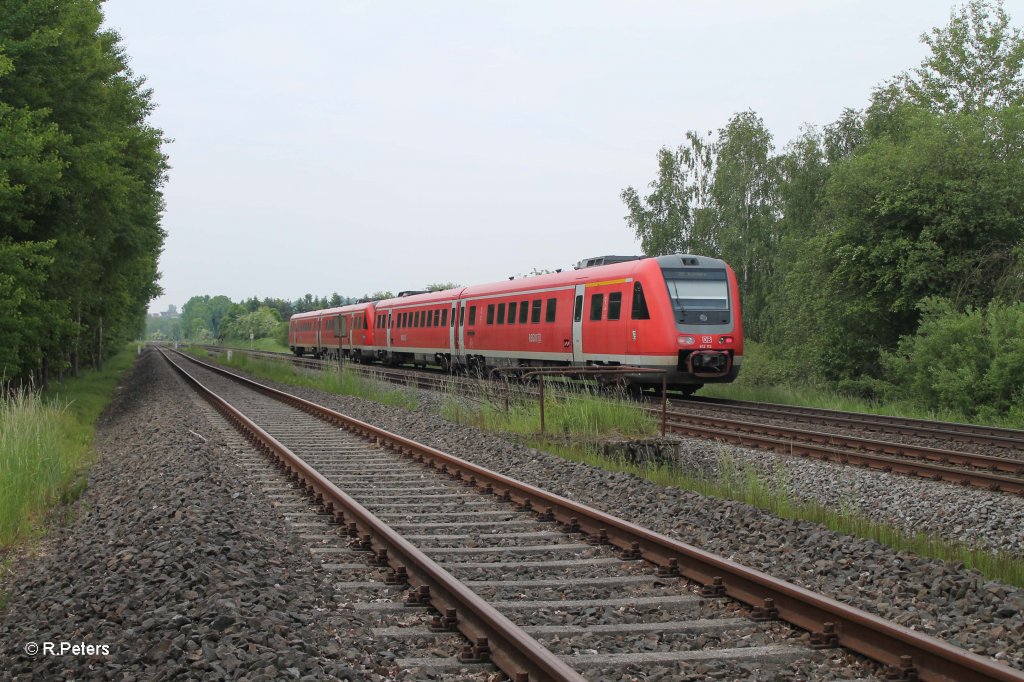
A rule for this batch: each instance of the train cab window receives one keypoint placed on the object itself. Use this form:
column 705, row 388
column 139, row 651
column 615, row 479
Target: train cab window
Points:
column 577, row 313
column 550, row 316
column 444, row 318
column 437, row 318
column 472, row 315
column 501, row 313
column 534, row 311
column 614, row 305
column 596, row 306
column 640, row 311
column 512, row 312
column 490, row 313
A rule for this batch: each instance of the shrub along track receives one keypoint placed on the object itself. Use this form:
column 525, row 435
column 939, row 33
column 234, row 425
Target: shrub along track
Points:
column 883, row 641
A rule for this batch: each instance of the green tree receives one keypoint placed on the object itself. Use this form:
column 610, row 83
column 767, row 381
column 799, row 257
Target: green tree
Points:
column 442, row 286
column 975, row 62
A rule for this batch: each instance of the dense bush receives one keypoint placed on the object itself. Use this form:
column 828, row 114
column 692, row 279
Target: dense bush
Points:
column 971, row 361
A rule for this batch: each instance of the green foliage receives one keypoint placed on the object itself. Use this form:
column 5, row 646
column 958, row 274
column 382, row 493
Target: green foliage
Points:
column 45, row 440
column 971, row 361
column 80, row 178
column 975, row 63
column 580, row 417
column 442, row 286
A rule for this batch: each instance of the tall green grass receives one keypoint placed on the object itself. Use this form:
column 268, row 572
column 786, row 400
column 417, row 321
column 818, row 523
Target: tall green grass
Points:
column 267, row 344
column 582, row 417
column 340, row 380
column 45, row 442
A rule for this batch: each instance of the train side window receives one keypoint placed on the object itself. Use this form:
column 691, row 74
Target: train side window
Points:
column 437, row 318
column 444, row 318
column 512, row 312
column 614, row 305
column 472, row 315
column 524, row 311
column 462, row 316
column 577, row 313
column 501, row 313
column 640, row 311
column 550, row 316
column 490, row 313
column 428, row 318
column 419, row 319
column 535, row 311
column 596, row 306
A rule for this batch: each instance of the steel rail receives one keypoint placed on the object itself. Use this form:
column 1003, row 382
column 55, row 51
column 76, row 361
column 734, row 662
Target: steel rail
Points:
column 988, row 462
column 990, row 435
column 831, row 622
column 783, row 441
column 508, row 646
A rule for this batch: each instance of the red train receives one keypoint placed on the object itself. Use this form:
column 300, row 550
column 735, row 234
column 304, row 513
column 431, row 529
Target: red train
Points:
column 678, row 313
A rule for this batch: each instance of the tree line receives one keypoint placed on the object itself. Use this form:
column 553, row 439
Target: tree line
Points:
column 80, row 201
column 867, row 239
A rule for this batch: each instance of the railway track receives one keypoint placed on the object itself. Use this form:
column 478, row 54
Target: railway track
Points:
column 938, row 451
column 504, row 564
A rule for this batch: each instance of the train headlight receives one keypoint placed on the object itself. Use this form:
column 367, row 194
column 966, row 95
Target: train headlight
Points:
column 686, row 340
column 725, row 339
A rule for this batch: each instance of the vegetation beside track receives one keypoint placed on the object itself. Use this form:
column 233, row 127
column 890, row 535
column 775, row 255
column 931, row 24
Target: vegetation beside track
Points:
column 342, row 381
column 742, row 483
column 46, row 441
column 581, row 418
column 272, row 345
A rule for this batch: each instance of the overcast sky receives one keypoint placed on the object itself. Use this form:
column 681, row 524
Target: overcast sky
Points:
column 328, row 145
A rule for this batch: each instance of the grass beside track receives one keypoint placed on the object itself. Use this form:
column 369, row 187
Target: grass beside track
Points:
column 45, row 442
column 342, row 381
column 582, row 417
column 267, row 344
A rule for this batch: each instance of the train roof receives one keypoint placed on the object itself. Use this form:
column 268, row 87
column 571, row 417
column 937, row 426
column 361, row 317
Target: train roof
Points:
column 350, row 308
column 422, row 299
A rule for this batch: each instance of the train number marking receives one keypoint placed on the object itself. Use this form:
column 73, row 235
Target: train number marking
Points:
column 533, row 338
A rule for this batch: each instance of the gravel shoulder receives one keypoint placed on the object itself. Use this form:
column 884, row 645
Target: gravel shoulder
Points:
column 172, row 565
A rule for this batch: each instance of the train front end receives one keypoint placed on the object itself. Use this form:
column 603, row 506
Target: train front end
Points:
column 701, row 319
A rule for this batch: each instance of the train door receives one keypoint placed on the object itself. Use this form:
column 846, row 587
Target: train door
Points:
column 577, row 325
column 453, row 345
column 462, row 331
column 387, row 337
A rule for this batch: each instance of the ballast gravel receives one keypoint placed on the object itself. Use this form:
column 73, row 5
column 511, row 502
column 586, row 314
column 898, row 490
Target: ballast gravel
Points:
column 943, row 599
column 173, row 565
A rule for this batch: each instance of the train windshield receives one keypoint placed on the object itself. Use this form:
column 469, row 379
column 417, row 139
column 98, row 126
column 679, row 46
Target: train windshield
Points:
column 697, row 288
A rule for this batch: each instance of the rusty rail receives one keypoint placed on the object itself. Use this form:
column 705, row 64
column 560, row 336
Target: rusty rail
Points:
column 830, row 622
column 785, row 441
column 497, row 638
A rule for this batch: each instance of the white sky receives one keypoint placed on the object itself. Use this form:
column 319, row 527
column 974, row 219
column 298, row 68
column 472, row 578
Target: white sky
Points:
column 330, row 145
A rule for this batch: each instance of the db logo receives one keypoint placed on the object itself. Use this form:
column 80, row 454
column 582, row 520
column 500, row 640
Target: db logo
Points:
column 566, row 343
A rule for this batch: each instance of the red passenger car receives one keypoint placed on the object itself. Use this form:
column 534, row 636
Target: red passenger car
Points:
column 678, row 313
